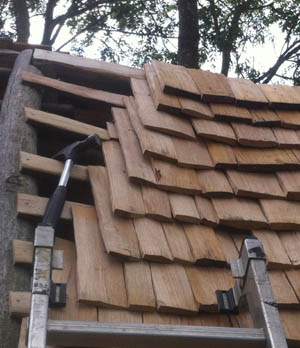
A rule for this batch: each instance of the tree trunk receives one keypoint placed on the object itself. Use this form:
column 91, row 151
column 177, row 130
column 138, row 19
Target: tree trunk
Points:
column 188, row 40
column 22, row 20
column 15, row 135
column 225, row 61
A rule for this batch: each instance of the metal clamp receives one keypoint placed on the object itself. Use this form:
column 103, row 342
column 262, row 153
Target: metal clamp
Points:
column 44, row 237
column 253, row 284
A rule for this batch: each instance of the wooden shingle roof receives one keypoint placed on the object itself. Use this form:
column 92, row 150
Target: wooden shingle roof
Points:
column 194, row 161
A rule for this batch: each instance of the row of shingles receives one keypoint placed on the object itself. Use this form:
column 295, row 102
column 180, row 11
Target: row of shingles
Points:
column 143, row 286
column 161, row 145
column 184, row 209
column 177, row 149
column 82, row 311
column 140, row 286
column 212, row 87
column 226, row 112
column 190, row 184
column 246, row 135
column 245, row 184
column 161, row 240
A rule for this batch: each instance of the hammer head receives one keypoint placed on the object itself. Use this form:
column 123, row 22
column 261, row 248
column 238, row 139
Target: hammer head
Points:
column 72, row 151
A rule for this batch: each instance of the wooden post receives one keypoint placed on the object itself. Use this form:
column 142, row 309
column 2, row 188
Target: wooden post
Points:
column 15, row 135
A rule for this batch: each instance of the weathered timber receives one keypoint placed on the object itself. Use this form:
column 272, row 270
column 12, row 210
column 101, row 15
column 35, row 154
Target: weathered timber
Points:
column 15, row 135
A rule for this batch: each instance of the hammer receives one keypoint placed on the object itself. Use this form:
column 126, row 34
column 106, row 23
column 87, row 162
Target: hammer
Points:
column 69, row 155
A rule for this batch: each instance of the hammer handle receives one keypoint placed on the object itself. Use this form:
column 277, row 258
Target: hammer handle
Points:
column 55, row 206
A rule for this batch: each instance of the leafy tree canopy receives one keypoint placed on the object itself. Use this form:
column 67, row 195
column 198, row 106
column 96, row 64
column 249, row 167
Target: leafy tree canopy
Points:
column 190, row 32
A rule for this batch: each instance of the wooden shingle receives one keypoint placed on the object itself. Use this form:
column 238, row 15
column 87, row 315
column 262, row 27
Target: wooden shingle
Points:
column 118, row 233
column 239, row 213
column 206, row 247
column 172, row 289
column 213, row 130
column 256, row 185
column 281, row 214
column 152, row 240
column 126, row 197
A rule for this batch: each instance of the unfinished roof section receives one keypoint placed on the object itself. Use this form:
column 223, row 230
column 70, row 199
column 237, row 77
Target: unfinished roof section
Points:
column 193, row 161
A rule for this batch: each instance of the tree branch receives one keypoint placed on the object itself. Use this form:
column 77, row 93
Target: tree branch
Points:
column 285, row 56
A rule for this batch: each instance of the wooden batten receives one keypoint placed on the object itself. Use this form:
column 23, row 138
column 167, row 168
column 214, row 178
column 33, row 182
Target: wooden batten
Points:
column 64, row 123
column 30, row 205
column 79, row 91
column 86, row 64
column 34, row 163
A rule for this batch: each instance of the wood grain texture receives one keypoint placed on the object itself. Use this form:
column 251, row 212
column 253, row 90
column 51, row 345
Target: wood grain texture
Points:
column 280, row 96
column 63, row 123
column 283, row 292
column 19, row 304
column 214, row 183
column 152, row 240
column 205, row 245
column 265, row 159
column 205, row 281
column 126, row 197
column 118, row 233
column 227, row 112
column 104, row 283
column 175, row 79
column 213, row 87
column 172, row 289
column 290, row 183
column 256, row 185
column 162, row 101
column 177, row 179
column 158, row 120
column 94, row 65
column 152, row 143
column 228, row 245
column 157, row 205
column 281, row 215
column 178, row 243
column 38, row 164
column 195, row 108
column 293, row 276
column 222, row 155
column 213, row 130
column 264, row 117
column 112, row 132
column 192, row 154
column 138, row 167
column 289, row 118
column 248, row 135
column 184, row 208
column 291, row 243
column 277, row 256
column 206, row 211
column 286, row 138
column 139, row 287
column 22, row 252
column 73, row 309
column 247, row 93
column 80, row 91
column 106, row 315
column 239, row 213
column 30, row 205
column 291, row 325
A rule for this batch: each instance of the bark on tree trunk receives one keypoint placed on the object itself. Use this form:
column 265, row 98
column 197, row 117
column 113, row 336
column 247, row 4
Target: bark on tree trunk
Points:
column 225, row 61
column 22, row 20
column 188, row 40
column 15, row 135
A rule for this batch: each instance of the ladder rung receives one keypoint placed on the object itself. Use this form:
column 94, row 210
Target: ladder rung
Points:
column 95, row 334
